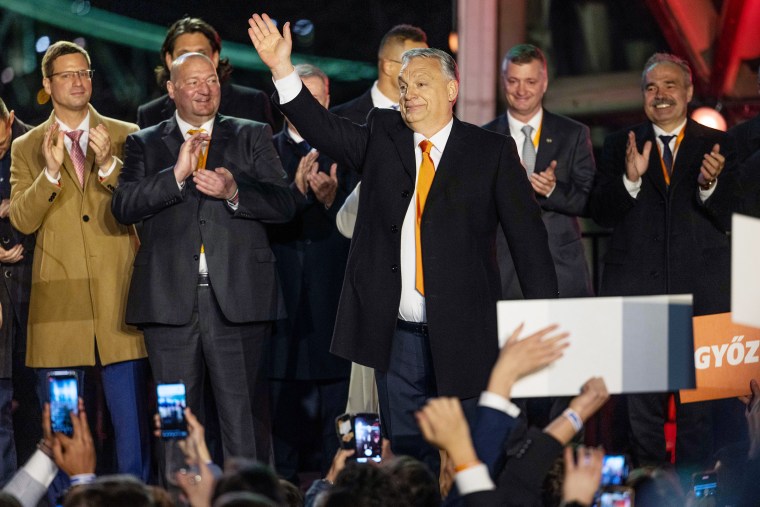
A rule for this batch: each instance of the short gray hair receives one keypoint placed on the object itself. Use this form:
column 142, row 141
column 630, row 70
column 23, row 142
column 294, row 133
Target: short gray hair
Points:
column 448, row 64
column 659, row 58
column 309, row 70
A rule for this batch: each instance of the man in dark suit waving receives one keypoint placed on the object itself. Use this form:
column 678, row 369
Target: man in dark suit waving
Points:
column 421, row 282
column 204, row 286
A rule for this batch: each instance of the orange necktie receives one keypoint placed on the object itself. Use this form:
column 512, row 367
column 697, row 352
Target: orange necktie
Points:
column 424, row 181
column 204, row 149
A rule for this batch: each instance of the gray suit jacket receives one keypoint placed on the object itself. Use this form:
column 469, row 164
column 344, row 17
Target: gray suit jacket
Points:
column 568, row 142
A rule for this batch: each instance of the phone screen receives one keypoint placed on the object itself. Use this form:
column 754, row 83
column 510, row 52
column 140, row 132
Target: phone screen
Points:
column 618, row 498
column 171, row 406
column 368, row 438
column 705, row 484
column 614, row 470
column 63, row 392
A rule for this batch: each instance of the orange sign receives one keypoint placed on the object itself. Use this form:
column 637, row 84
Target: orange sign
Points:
column 726, row 358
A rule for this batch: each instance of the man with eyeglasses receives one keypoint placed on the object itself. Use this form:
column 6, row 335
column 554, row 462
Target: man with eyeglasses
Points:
column 63, row 173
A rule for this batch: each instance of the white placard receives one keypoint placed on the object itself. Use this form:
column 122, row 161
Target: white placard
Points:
column 745, row 270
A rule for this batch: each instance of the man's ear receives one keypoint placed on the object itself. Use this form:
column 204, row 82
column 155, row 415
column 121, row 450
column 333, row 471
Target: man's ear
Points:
column 452, row 89
column 215, row 58
column 11, row 118
column 170, row 89
column 46, row 84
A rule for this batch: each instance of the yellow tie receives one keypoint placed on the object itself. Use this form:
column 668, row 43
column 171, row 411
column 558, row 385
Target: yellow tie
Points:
column 204, row 149
column 424, row 181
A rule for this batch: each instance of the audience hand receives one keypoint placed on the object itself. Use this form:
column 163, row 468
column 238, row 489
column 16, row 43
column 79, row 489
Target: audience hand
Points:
column 582, row 476
column 443, row 424
column 74, row 455
column 712, row 165
column 306, row 165
column 593, row 396
column 544, row 182
column 218, row 183
column 189, row 152
column 197, row 488
column 52, row 149
column 100, row 142
column 338, row 464
column 519, row 358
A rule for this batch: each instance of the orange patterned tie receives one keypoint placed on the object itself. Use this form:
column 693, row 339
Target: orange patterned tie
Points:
column 204, row 149
column 424, row 181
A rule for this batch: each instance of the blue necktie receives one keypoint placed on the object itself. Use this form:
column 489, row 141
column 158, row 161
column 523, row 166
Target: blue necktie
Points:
column 667, row 155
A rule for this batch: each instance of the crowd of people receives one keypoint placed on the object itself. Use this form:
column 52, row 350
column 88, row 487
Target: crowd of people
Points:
column 198, row 246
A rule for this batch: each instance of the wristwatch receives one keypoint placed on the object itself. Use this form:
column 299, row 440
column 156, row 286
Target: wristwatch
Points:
column 708, row 185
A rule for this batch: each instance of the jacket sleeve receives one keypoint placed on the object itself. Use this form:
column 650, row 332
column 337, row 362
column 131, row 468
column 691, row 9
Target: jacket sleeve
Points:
column 571, row 198
column 32, row 194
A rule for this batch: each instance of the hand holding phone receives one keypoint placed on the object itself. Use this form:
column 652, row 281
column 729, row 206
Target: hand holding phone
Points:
column 63, row 395
column 172, row 401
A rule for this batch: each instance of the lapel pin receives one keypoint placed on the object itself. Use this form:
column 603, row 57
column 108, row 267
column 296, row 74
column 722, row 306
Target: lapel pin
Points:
column 548, row 139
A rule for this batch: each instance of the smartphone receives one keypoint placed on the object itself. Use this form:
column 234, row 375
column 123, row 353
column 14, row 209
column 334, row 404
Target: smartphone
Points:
column 614, row 470
column 63, row 394
column 172, row 401
column 616, row 496
column 369, row 441
column 705, row 484
column 344, row 426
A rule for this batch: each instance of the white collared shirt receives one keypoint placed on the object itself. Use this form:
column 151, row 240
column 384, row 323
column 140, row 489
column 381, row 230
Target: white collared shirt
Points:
column 380, row 100
column 412, row 305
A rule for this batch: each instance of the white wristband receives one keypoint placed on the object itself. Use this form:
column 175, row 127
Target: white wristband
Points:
column 572, row 416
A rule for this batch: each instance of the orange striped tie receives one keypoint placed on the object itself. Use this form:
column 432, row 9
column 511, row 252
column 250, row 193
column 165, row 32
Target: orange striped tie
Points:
column 424, row 181
column 204, row 149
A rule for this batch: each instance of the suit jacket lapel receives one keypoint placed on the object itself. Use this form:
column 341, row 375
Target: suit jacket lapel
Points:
column 216, row 148
column 654, row 171
column 545, row 143
column 452, row 154
column 403, row 140
column 688, row 156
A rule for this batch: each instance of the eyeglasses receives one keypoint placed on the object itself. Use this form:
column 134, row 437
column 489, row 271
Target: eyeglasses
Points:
column 70, row 75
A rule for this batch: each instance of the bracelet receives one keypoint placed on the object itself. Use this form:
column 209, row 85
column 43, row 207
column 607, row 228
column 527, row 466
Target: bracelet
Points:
column 42, row 446
column 79, row 479
column 234, row 195
column 572, row 416
column 465, row 466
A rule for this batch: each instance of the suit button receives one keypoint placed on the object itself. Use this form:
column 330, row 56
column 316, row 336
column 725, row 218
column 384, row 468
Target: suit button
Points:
column 6, row 240
column 394, row 268
column 7, row 273
column 195, row 257
column 86, row 218
column 394, row 228
column 656, row 239
column 405, row 194
column 202, row 222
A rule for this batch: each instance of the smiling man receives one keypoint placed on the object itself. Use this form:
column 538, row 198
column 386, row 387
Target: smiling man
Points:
column 667, row 187
column 418, row 298
column 204, row 287
column 62, row 176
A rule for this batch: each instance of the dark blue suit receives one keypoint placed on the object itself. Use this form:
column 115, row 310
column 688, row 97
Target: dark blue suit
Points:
column 311, row 260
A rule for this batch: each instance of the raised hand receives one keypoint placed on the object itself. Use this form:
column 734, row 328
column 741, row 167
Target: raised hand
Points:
column 583, row 473
column 593, row 396
column 100, row 142
column 443, row 424
column 273, row 49
column 519, row 358
column 712, row 165
column 52, row 149
column 636, row 164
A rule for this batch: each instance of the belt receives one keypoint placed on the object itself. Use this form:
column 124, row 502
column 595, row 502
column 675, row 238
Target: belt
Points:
column 412, row 327
column 203, row 280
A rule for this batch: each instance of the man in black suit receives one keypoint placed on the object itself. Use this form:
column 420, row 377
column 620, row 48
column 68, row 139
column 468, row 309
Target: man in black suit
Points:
column 204, row 287
column 428, row 329
column 746, row 135
column 384, row 91
column 16, row 251
column 188, row 35
column 662, row 188
column 560, row 163
column 311, row 259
